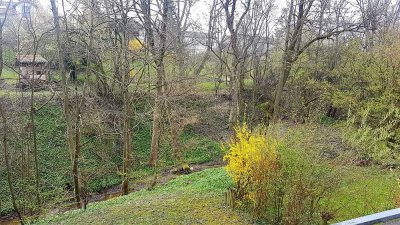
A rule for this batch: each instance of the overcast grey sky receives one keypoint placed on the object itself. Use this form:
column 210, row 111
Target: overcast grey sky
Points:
column 199, row 13
column 202, row 8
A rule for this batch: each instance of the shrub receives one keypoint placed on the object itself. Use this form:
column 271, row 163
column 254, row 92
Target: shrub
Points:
column 375, row 137
column 279, row 184
column 253, row 165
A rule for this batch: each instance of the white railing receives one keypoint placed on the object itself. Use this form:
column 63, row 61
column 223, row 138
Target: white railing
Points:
column 382, row 217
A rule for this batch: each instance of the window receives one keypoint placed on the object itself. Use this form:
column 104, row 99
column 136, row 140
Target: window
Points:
column 38, row 72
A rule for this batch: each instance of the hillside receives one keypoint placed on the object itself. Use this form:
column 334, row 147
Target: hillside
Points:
column 101, row 157
column 190, row 199
column 198, row 198
column 199, row 111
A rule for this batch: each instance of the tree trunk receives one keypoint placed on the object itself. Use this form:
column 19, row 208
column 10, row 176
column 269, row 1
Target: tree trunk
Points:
column 235, row 103
column 161, row 85
column 7, row 162
column 155, row 136
column 174, row 126
column 75, row 164
column 287, row 66
column 34, row 139
column 158, row 109
column 70, row 137
column 126, row 147
column 126, row 137
column 2, row 22
column 33, row 128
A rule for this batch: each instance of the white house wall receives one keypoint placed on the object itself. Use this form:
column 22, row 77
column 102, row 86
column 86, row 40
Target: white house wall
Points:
column 33, row 72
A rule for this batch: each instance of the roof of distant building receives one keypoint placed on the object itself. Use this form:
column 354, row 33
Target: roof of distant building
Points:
column 28, row 59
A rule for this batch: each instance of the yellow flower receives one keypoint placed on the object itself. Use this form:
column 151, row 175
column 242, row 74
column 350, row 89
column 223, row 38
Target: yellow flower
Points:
column 135, row 45
column 252, row 157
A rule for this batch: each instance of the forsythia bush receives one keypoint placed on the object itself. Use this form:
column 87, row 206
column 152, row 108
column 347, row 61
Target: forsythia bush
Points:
column 135, row 45
column 279, row 183
column 253, row 164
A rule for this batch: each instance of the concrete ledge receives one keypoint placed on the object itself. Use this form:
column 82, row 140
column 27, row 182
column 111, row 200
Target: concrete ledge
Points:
column 373, row 218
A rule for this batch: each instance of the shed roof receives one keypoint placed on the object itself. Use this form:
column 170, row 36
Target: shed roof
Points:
column 28, row 59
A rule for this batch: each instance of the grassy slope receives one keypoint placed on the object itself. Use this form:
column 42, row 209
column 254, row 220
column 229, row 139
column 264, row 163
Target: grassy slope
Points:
column 364, row 190
column 190, row 199
column 55, row 165
column 198, row 199
column 10, row 76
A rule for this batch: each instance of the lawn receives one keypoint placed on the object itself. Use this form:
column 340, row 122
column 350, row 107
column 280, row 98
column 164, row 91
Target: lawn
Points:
column 364, row 190
column 25, row 94
column 11, row 77
column 190, row 199
column 199, row 199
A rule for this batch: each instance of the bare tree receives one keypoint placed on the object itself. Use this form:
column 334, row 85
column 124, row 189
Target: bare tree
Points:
column 156, row 41
column 237, row 66
column 6, row 159
column 73, row 140
column 212, row 30
column 126, row 130
column 297, row 24
column 245, row 21
column 2, row 22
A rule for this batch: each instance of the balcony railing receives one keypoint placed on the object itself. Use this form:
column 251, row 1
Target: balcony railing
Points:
column 389, row 217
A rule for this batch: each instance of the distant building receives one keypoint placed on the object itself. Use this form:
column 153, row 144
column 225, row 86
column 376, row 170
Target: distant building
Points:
column 32, row 68
column 196, row 42
column 17, row 7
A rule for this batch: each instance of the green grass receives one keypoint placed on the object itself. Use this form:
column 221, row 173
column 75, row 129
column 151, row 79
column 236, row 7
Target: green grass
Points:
column 354, row 191
column 198, row 199
column 15, row 94
column 191, row 199
column 100, row 158
column 209, row 86
column 363, row 191
column 10, row 76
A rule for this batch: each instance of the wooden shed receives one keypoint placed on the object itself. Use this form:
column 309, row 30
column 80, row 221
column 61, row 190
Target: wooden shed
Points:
column 32, row 68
